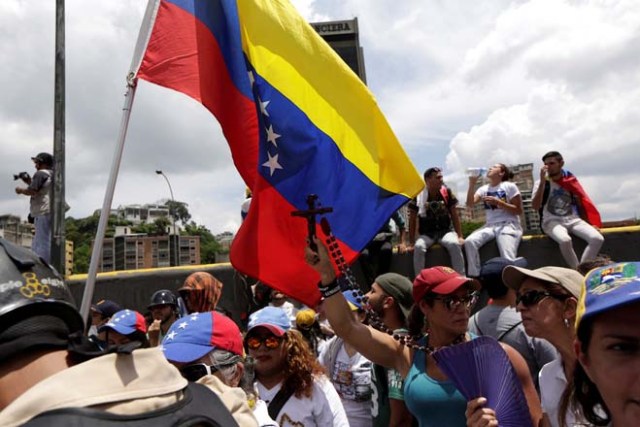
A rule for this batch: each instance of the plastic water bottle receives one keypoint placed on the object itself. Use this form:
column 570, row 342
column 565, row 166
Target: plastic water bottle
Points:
column 473, row 172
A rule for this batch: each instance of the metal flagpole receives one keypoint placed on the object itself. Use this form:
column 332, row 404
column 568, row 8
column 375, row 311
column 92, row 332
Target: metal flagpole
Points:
column 143, row 38
column 58, row 199
column 106, row 205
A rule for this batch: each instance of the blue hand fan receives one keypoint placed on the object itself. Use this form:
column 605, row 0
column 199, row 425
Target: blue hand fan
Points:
column 481, row 368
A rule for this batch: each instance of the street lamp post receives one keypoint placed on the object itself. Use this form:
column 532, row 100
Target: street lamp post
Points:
column 175, row 235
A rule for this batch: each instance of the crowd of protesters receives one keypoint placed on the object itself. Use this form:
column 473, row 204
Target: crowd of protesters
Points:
column 569, row 334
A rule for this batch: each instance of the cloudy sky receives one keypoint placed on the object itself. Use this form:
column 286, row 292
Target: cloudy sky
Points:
column 463, row 83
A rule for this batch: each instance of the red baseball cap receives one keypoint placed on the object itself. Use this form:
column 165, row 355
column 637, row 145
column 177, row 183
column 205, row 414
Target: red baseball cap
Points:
column 439, row 280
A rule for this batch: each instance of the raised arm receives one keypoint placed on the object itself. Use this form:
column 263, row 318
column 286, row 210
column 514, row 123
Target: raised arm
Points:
column 536, row 200
column 472, row 198
column 376, row 346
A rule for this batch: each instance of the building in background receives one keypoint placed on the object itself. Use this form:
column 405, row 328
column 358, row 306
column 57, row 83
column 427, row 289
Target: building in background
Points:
column 16, row 231
column 141, row 214
column 343, row 37
column 21, row 233
column 134, row 251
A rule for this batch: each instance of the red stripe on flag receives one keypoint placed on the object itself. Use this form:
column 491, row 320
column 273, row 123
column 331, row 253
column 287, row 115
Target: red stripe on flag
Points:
column 271, row 247
column 183, row 55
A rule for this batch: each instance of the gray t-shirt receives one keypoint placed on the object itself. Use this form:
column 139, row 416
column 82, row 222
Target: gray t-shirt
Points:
column 41, row 182
column 560, row 203
column 505, row 325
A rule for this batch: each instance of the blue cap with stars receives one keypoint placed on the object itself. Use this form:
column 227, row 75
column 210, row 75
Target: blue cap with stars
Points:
column 126, row 322
column 193, row 336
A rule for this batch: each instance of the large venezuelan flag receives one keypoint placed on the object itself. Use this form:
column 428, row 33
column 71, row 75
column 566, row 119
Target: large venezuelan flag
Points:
column 298, row 122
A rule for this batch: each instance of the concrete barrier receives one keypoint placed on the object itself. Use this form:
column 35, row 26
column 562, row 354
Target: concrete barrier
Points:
column 133, row 289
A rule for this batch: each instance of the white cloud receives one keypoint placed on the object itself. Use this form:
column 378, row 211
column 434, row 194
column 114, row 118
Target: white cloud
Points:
column 579, row 63
column 466, row 82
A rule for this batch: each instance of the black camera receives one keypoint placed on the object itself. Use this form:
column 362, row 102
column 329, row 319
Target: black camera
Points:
column 22, row 175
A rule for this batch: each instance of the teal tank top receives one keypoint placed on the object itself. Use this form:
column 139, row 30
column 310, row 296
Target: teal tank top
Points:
column 433, row 403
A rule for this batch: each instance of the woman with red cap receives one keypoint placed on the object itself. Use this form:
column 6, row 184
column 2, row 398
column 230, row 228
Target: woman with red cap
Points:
column 442, row 300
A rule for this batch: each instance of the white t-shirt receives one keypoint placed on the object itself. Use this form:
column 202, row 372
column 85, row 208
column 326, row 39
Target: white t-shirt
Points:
column 351, row 377
column 559, row 205
column 322, row 409
column 504, row 191
column 552, row 384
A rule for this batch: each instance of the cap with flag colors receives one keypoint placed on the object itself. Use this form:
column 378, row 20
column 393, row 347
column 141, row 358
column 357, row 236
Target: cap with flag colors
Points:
column 607, row 288
column 192, row 337
column 298, row 122
column 126, row 322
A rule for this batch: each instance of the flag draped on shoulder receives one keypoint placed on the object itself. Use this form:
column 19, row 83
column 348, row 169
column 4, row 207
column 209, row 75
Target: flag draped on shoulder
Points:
column 298, row 121
column 570, row 183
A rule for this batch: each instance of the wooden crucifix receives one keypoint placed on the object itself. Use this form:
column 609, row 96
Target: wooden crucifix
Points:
column 310, row 215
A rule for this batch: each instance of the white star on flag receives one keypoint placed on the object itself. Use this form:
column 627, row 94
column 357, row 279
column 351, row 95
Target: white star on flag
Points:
column 194, row 316
column 182, row 325
column 272, row 163
column 272, row 136
column 263, row 107
column 171, row 335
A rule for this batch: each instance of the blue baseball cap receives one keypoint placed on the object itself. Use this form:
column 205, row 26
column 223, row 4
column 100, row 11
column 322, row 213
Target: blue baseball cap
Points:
column 106, row 307
column 355, row 302
column 607, row 288
column 273, row 318
column 126, row 322
column 492, row 269
column 192, row 337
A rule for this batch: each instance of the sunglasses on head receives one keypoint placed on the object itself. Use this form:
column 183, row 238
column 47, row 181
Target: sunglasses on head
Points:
column 194, row 372
column 451, row 302
column 533, row 297
column 269, row 342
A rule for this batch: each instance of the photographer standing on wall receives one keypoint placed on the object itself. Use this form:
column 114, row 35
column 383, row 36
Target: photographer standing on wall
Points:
column 39, row 189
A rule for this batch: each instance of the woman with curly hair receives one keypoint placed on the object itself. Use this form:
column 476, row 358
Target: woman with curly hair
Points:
column 606, row 381
column 288, row 374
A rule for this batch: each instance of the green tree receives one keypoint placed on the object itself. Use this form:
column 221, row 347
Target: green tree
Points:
column 470, row 227
column 179, row 211
column 209, row 246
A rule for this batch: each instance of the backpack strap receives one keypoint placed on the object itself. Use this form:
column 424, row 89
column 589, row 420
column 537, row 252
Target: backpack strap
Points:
column 279, row 400
column 502, row 335
column 199, row 406
column 475, row 323
column 545, row 197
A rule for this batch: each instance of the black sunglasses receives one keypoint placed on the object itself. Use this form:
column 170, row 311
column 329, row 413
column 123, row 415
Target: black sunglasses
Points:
column 533, row 297
column 194, row 372
column 451, row 302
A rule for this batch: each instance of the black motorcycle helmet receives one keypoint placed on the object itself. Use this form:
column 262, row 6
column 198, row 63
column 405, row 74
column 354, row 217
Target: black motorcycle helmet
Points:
column 35, row 303
column 163, row 296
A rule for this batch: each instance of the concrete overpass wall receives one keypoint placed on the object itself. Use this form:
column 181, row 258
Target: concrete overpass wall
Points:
column 133, row 289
